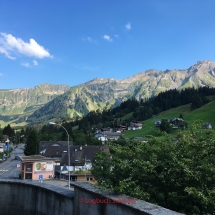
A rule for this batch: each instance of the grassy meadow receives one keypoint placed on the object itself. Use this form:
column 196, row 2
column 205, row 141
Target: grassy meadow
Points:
column 205, row 114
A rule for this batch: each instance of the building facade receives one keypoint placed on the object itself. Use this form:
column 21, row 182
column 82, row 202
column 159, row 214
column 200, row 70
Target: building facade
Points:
column 37, row 167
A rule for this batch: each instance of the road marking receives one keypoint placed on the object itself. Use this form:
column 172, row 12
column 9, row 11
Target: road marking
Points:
column 3, row 170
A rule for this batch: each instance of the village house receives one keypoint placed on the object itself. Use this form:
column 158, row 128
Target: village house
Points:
column 121, row 128
column 207, row 125
column 5, row 138
column 43, row 145
column 141, row 139
column 2, row 147
column 108, row 129
column 174, row 121
column 108, row 136
column 55, row 151
column 157, row 123
column 37, row 167
column 135, row 125
column 6, row 142
column 81, row 158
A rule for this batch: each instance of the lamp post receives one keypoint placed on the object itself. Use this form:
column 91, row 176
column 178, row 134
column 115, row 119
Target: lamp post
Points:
column 53, row 123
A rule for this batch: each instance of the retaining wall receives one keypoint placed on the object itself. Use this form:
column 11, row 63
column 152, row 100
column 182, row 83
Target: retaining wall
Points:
column 23, row 197
column 88, row 200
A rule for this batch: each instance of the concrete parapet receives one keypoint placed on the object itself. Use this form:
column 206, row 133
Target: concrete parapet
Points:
column 18, row 197
column 93, row 201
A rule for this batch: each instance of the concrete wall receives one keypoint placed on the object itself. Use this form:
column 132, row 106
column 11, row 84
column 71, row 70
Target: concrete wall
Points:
column 23, row 197
column 89, row 200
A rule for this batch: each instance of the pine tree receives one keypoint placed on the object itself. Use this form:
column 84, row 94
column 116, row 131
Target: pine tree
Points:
column 32, row 143
column 1, row 135
column 181, row 116
column 8, row 131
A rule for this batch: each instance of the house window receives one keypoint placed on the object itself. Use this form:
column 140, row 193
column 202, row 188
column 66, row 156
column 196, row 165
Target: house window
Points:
column 89, row 179
column 28, row 167
column 28, row 176
column 74, row 178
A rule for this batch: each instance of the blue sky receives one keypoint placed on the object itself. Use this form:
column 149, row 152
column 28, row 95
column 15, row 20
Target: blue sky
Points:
column 74, row 41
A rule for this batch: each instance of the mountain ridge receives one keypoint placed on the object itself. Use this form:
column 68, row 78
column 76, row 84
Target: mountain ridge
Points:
column 102, row 93
column 18, row 102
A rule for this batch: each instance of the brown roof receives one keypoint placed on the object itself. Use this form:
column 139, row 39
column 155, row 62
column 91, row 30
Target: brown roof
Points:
column 55, row 151
column 45, row 144
column 31, row 158
column 78, row 154
column 5, row 138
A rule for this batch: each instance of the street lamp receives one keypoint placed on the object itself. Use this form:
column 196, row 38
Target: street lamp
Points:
column 53, row 123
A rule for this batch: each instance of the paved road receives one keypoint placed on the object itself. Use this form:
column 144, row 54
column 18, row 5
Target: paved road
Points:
column 9, row 169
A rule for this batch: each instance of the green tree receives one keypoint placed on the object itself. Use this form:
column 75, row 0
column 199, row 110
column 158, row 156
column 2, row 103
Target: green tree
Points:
column 181, row 116
column 165, row 126
column 32, row 143
column 7, row 130
column 1, row 155
column 178, row 174
column 1, row 135
column 79, row 138
column 64, row 136
column 196, row 102
column 47, row 137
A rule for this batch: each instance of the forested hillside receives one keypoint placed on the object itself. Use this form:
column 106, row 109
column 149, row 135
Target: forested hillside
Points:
column 145, row 109
column 109, row 93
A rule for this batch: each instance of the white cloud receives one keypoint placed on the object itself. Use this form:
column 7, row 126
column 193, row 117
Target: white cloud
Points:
column 116, row 36
column 9, row 45
column 108, row 38
column 89, row 39
column 35, row 62
column 128, row 26
column 4, row 51
column 1, row 74
column 25, row 65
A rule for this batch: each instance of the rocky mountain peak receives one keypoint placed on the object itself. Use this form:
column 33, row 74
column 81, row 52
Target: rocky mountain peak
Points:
column 46, row 101
column 203, row 65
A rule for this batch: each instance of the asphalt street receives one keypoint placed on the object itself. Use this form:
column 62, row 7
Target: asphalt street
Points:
column 11, row 168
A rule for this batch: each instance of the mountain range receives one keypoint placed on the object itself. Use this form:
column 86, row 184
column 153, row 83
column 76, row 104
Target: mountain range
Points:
column 17, row 104
column 53, row 102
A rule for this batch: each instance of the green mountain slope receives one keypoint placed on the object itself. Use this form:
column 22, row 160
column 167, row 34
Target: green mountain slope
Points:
column 106, row 93
column 17, row 104
column 50, row 102
column 205, row 114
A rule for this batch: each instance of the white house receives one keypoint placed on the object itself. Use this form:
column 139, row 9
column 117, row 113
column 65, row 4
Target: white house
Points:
column 207, row 125
column 2, row 147
column 104, row 136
